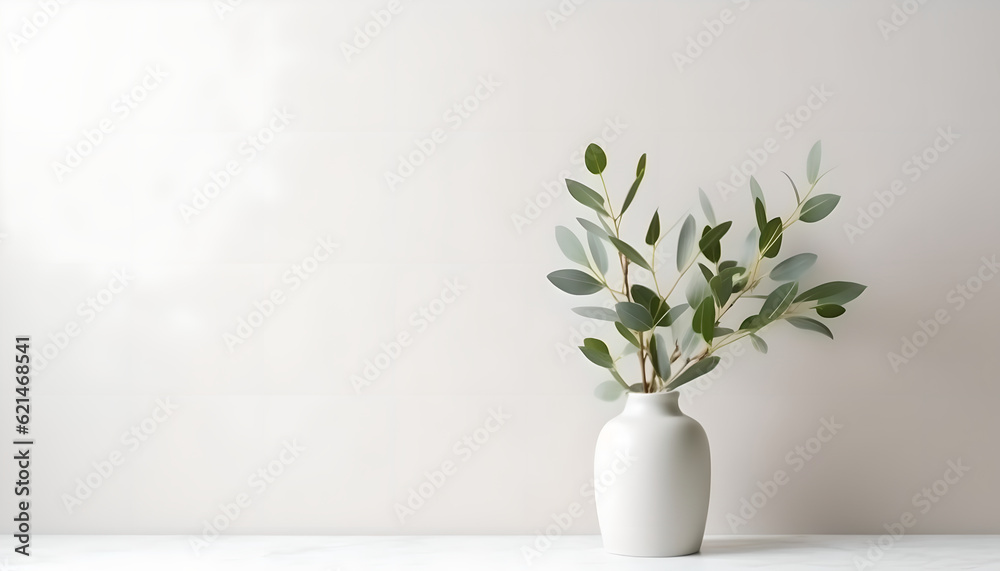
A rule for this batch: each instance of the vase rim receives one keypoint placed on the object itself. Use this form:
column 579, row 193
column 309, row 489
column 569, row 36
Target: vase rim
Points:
column 661, row 394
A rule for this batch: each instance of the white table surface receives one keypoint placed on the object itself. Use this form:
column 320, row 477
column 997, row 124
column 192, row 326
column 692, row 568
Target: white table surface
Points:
column 475, row 553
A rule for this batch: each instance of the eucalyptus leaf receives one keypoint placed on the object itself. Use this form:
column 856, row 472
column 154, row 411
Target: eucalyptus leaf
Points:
column 794, row 188
column 660, row 355
column 598, row 252
column 832, row 292
column 594, row 229
column 809, row 324
column 830, row 310
column 752, row 323
column 770, row 238
column 597, row 352
column 722, row 288
column 653, row 233
column 599, row 313
column 704, row 319
column 686, row 243
column 644, row 296
column 778, row 301
column 697, row 290
column 640, row 172
column 720, row 331
column 672, row 314
column 575, row 282
column 758, row 343
column 694, row 371
column 586, row 196
column 706, row 206
column 812, row 163
column 793, row 267
column 628, row 335
column 571, row 246
column 634, row 316
column 707, row 273
column 631, row 253
column 756, row 193
column 818, row 207
column 595, row 159
column 761, row 214
column 609, row 391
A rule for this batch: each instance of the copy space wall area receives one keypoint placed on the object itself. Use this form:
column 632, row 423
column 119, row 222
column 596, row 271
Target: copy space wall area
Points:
column 283, row 264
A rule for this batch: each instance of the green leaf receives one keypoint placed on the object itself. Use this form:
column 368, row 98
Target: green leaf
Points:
column 634, row 316
column 812, row 163
column 726, row 265
column 770, row 238
column 709, row 243
column 607, row 228
column 830, row 310
column 761, row 214
column 694, row 371
column 660, row 356
column 704, row 319
column 640, row 172
column 595, row 159
column 758, row 343
column 697, row 290
column 609, row 391
column 599, row 253
column 722, row 288
column 720, row 331
column 793, row 268
column 594, row 229
column 749, row 248
column 644, row 296
column 706, row 272
column 631, row 253
column 818, row 207
column 832, row 292
column 653, row 233
column 686, row 243
column 571, row 246
column 600, row 313
column 756, row 192
column 752, row 323
column 778, row 301
column 730, row 272
column 794, row 188
column 809, row 324
column 575, row 282
column 597, row 352
column 628, row 335
column 671, row 316
column 586, row 196
column 706, row 206
column 614, row 373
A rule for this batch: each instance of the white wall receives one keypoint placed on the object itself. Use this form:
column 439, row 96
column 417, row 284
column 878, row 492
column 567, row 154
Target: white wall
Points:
column 495, row 348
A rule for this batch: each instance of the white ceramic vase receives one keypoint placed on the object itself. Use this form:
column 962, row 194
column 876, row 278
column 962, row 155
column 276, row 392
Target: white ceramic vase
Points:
column 652, row 471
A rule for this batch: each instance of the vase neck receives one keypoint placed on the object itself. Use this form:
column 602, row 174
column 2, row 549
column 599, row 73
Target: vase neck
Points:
column 653, row 403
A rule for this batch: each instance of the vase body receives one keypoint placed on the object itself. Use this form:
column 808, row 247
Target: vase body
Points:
column 652, row 472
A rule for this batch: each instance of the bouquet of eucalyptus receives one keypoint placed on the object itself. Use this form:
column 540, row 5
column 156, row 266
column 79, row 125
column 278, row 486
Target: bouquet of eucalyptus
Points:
column 677, row 341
